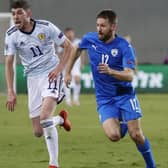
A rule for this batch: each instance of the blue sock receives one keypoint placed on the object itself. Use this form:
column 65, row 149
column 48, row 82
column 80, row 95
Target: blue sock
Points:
column 124, row 128
column 146, row 152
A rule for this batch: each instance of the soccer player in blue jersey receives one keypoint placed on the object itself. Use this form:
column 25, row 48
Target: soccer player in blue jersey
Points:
column 112, row 61
column 34, row 40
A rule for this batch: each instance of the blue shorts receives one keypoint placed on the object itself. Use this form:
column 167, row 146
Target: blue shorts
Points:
column 124, row 108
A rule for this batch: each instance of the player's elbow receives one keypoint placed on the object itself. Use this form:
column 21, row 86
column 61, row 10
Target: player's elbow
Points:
column 38, row 134
column 68, row 47
column 128, row 75
column 127, row 78
column 130, row 78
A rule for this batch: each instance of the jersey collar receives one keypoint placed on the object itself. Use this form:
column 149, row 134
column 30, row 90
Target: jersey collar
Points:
column 32, row 28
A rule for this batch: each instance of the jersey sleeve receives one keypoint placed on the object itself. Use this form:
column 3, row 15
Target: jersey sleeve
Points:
column 10, row 47
column 129, row 60
column 57, row 35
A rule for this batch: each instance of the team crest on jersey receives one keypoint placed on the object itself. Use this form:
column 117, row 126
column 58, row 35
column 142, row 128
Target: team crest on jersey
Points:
column 114, row 52
column 41, row 36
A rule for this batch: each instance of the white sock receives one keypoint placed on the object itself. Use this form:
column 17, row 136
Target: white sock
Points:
column 76, row 92
column 51, row 138
column 67, row 95
column 58, row 120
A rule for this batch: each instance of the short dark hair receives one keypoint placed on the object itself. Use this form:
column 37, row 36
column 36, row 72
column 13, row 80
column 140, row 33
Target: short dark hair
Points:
column 108, row 14
column 67, row 29
column 20, row 4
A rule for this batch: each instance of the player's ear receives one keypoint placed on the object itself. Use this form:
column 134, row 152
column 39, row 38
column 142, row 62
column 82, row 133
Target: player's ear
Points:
column 114, row 26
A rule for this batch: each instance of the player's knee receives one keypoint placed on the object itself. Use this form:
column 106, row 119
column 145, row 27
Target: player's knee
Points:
column 38, row 134
column 114, row 136
column 137, row 136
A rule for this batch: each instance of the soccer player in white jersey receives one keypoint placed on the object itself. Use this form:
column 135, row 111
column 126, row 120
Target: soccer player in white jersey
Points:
column 76, row 71
column 35, row 40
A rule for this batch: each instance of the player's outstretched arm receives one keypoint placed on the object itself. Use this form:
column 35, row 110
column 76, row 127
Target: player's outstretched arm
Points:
column 67, row 45
column 9, row 73
column 73, row 57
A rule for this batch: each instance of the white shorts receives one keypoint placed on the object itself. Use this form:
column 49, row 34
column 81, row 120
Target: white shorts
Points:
column 38, row 88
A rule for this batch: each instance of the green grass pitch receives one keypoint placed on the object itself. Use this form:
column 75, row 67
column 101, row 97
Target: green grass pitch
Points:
column 86, row 145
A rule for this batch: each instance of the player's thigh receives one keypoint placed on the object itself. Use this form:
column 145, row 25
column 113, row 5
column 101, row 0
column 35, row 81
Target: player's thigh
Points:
column 48, row 107
column 52, row 89
column 130, row 108
column 52, row 94
column 108, row 111
column 34, row 96
column 111, row 128
column 109, row 117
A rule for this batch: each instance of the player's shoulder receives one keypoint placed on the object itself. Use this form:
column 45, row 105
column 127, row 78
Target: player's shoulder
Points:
column 42, row 22
column 124, row 44
column 11, row 30
column 122, row 41
column 91, row 36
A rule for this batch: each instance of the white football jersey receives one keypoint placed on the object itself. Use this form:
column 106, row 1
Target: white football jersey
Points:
column 37, row 48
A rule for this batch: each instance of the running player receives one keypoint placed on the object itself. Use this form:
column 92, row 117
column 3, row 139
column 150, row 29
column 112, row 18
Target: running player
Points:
column 35, row 40
column 112, row 61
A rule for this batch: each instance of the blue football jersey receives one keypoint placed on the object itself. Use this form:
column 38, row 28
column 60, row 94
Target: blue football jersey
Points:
column 118, row 54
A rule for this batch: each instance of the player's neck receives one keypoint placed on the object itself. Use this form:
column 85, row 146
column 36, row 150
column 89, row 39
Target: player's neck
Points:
column 28, row 26
column 111, row 38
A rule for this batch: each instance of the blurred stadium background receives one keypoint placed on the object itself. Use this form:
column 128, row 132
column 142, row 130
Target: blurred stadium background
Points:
column 146, row 22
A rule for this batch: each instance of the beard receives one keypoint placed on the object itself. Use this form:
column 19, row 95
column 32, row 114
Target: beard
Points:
column 105, row 37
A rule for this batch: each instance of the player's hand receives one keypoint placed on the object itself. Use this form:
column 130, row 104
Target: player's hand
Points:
column 67, row 80
column 11, row 101
column 54, row 74
column 104, row 68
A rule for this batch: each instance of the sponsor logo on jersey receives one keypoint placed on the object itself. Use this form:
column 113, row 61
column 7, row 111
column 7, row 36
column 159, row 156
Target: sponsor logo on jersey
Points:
column 60, row 35
column 129, row 62
column 93, row 46
column 41, row 36
column 114, row 52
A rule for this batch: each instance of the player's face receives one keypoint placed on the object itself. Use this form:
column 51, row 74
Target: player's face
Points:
column 70, row 35
column 20, row 17
column 104, row 29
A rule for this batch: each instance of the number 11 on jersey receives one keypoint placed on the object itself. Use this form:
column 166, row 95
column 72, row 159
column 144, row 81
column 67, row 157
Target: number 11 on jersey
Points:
column 36, row 51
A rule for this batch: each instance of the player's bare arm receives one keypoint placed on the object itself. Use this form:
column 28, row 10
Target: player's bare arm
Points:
column 9, row 73
column 73, row 57
column 125, row 75
column 68, row 48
